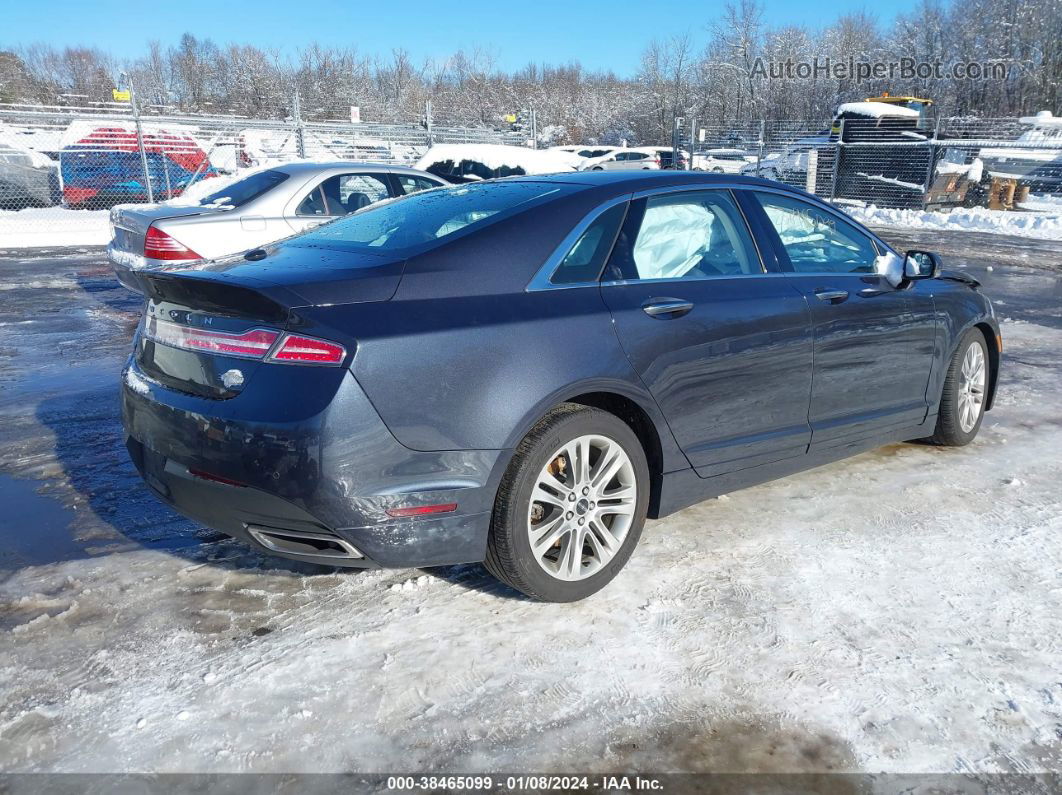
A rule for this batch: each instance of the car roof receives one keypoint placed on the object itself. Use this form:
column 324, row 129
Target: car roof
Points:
column 307, row 167
column 633, row 181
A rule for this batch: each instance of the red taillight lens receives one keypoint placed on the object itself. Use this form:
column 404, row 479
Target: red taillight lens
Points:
column 421, row 510
column 307, row 350
column 254, row 344
column 199, row 473
column 159, row 245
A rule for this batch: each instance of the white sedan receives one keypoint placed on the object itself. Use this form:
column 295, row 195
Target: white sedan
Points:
column 261, row 208
column 721, row 161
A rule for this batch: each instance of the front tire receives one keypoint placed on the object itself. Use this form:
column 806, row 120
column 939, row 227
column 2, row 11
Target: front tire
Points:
column 571, row 506
column 962, row 400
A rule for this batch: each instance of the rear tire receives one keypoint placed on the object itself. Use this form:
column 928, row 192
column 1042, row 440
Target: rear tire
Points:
column 561, row 531
column 962, row 400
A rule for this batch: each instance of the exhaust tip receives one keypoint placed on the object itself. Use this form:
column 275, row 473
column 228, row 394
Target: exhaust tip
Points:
column 304, row 543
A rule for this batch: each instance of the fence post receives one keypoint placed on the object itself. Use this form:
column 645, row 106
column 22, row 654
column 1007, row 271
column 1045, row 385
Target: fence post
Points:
column 759, row 145
column 693, row 142
column 836, row 162
column 675, row 127
column 931, row 156
column 140, row 142
column 429, row 123
column 534, row 129
column 300, row 138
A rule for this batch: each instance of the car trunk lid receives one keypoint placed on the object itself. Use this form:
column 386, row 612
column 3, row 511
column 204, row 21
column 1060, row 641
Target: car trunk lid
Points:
column 129, row 223
column 207, row 331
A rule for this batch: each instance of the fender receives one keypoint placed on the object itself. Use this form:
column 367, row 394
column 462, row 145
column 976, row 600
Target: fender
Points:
column 958, row 310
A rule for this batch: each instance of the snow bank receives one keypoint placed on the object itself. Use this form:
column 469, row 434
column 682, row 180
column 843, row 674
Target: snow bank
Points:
column 495, row 156
column 1044, row 225
column 54, row 226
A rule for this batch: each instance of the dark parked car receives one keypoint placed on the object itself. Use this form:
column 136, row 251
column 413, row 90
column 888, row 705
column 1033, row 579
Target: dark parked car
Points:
column 519, row 371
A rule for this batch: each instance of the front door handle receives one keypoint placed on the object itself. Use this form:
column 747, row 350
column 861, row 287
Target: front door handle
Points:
column 666, row 308
column 833, row 296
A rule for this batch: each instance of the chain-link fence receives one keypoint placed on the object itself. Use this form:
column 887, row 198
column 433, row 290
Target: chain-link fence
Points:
column 57, row 160
column 895, row 161
column 62, row 168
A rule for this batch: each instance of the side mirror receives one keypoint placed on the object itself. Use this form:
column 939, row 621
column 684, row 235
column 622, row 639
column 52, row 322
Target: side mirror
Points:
column 921, row 265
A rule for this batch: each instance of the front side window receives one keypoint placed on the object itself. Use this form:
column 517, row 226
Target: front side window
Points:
column 416, row 222
column 583, row 262
column 694, row 235
column 817, row 241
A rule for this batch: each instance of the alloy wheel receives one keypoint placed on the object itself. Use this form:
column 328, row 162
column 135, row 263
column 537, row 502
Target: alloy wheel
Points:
column 971, row 387
column 582, row 507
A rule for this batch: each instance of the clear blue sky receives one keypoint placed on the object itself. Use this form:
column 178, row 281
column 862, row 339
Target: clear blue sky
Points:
column 601, row 35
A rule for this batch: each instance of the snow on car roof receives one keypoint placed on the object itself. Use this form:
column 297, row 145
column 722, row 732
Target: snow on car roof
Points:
column 1043, row 119
column 875, row 110
column 494, row 156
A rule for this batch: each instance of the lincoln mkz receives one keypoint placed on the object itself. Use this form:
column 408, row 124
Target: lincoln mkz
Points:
column 520, row 371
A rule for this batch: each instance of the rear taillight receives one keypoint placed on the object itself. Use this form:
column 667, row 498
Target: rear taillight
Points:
column 259, row 343
column 159, row 245
column 297, row 349
column 253, row 344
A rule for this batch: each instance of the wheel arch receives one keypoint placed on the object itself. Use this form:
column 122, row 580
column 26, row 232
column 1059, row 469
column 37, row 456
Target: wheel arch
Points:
column 636, row 408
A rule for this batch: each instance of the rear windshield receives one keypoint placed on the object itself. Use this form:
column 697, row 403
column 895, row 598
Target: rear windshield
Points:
column 242, row 191
column 418, row 221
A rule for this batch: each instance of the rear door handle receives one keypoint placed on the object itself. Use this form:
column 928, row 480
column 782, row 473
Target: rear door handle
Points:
column 833, row 296
column 666, row 308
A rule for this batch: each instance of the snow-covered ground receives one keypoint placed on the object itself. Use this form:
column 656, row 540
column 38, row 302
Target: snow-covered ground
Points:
column 46, row 227
column 1044, row 220
column 900, row 611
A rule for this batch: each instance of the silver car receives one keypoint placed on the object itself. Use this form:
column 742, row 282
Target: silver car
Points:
column 261, row 208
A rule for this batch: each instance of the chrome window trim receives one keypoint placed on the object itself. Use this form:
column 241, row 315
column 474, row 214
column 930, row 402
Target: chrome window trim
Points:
column 705, row 278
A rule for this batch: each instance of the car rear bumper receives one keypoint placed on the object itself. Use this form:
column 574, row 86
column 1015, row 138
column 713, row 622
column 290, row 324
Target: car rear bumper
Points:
column 306, row 482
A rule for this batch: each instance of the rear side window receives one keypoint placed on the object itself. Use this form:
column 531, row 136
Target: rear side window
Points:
column 242, row 191
column 693, row 235
column 584, row 261
column 817, row 241
column 413, row 184
column 417, row 222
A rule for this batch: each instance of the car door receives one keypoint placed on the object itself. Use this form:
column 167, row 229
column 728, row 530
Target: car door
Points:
column 335, row 196
column 723, row 345
column 870, row 369
column 617, row 163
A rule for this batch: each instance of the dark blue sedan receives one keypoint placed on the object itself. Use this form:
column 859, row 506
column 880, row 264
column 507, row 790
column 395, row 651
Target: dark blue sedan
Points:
column 520, row 371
